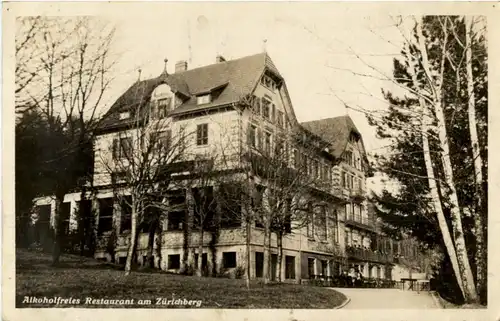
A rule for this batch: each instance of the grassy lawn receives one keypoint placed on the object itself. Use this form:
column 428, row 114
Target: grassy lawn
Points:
column 81, row 278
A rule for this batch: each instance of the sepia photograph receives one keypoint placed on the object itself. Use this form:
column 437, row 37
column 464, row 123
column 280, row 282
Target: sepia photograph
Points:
column 247, row 155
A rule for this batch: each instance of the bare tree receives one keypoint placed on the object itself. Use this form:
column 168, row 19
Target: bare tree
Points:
column 481, row 263
column 140, row 165
column 63, row 69
column 291, row 173
column 204, row 200
column 430, row 50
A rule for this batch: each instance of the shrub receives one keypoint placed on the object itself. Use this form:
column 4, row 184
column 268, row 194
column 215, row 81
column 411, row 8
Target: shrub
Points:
column 239, row 272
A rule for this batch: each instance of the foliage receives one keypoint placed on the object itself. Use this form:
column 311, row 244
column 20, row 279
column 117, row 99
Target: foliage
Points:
column 408, row 208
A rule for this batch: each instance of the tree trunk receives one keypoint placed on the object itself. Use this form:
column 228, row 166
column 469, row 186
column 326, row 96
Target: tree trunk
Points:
column 200, row 253
column 248, row 236
column 458, row 233
column 436, row 200
column 133, row 238
column 478, row 164
column 159, row 243
column 82, row 222
column 267, row 252
column 186, row 228
column 470, row 294
column 151, row 242
column 56, row 248
column 279, row 241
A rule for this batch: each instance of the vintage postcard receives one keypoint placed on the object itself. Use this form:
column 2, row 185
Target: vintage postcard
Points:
column 249, row 160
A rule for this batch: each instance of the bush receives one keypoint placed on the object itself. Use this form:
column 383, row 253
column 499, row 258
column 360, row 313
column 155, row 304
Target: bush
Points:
column 239, row 272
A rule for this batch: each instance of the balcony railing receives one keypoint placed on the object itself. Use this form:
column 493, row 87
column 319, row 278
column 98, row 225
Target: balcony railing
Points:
column 363, row 254
column 365, row 224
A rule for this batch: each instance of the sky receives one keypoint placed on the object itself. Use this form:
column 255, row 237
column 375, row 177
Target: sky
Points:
column 314, row 49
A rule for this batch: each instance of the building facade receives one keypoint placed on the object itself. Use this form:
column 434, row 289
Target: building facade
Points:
column 228, row 108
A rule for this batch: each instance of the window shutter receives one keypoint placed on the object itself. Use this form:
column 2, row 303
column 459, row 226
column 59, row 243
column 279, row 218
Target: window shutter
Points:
column 273, row 112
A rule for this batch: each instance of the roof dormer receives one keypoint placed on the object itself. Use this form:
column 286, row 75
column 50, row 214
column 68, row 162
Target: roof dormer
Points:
column 162, row 101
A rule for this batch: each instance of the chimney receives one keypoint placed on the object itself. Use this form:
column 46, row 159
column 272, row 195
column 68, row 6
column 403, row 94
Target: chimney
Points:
column 219, row 58
column 181, row 66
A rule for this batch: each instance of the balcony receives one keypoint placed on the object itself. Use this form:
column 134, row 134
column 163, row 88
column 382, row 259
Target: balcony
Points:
column 368, row 225
column 362, row 254
column 357, row 194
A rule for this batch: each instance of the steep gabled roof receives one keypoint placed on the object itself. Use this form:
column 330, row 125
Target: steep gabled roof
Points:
column 336, row 131
column 235, row 78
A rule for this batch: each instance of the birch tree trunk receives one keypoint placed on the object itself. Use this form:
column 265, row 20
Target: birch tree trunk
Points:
column 133, row 237
column 470, row 294
column 436, row 200
column 478, row 162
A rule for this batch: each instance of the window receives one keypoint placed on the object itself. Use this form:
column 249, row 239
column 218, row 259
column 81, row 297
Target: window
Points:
column 310, row 267
column 335, row 227
column 252, row 136
column 105, row 223
column 165, row 140
column 348, row 236
column 229, row 260
column 267, row 143
column 315, row 168
column 259, row 264
column 256, row 105
column 124, row 115
column 204, row 207
column 175, row 220
column 126, row 214
column 348, row 211
column 310, row 223
column 203, row 99
column 163, row 107
column 273, row 112
column 279, row 119
column 174, row 261
column 348, row 158
column 266, row 108
column 230, row 206
column 289, row 267
column 324, row 267
column 322, row 223
column 280, row 148
column 122, row 147
column 202, row 134
column 118, row 177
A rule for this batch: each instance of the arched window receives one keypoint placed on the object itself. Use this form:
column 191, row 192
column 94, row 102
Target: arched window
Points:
column 162, row 101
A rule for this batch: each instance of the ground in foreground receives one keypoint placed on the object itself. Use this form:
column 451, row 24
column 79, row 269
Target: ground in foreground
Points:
column 82, row 278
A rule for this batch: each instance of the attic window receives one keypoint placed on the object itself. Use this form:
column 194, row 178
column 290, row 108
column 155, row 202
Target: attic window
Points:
column 268, row 82
column 124, row 115
column 203, row 99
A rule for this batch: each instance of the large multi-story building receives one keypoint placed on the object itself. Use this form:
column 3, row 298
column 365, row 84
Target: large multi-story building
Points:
column 207, row 102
